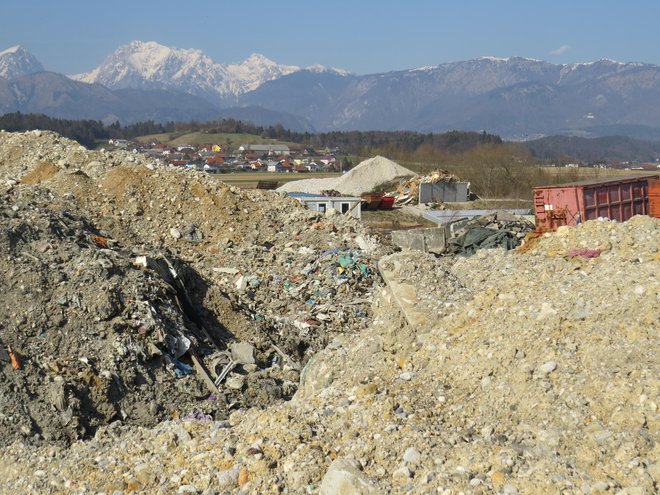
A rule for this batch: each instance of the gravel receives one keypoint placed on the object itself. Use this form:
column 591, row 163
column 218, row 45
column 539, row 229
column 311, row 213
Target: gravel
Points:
column 523, row 371
column 364, row 178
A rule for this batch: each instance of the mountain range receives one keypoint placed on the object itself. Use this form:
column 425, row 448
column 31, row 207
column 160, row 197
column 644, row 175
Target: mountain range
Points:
column 515, row 97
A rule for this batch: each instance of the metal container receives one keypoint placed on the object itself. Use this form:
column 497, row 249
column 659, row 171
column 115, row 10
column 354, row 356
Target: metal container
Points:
column 617, row 199
column 654, row 197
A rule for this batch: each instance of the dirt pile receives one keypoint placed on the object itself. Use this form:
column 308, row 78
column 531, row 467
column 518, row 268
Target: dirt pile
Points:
column 505, row 372
column 366, row 177
column 138, row 280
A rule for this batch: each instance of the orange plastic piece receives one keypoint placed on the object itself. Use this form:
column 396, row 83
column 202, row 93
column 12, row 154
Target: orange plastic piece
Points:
column 100, row 241
column 15, row 360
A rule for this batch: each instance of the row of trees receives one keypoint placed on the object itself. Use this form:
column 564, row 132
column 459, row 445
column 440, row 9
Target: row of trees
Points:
column 390, row 143
column 494, row 168
column 86, row 132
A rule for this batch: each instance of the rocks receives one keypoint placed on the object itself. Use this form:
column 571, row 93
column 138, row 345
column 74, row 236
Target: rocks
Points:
column 242, row 353
column 345, row 478
column 499, row 373
column 548, row 367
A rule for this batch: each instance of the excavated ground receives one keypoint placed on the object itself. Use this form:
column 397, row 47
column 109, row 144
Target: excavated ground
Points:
column 532, row 371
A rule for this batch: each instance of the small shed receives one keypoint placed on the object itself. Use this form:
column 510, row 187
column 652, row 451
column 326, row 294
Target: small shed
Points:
column 343, row 204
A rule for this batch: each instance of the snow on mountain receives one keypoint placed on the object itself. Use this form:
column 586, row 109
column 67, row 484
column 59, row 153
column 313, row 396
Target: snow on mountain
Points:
column 322, row 69
column 150, row 65
column 17, row 61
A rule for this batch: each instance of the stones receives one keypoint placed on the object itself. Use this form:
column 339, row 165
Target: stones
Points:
column 402, row 474
column 235, row 381
column 411, row 455
column 344, row 477
column 548, row 367
column 242, row 353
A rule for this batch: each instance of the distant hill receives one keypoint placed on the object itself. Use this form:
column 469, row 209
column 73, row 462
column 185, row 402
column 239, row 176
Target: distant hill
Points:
column 263, row 117
column 516, row 98
column 58, row 96
column 605, row 149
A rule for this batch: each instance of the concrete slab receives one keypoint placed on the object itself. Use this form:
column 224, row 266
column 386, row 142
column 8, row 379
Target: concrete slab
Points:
column 428, row 240
column 404, row 294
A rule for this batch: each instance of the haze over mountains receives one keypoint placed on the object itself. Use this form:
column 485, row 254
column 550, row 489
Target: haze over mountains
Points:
column 516, row 98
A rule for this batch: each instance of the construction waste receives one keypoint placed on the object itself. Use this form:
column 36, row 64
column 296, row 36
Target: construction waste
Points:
column 407, row 193
column 495, row 230
column 131, row 290
column 127, row 287
column 368, row 176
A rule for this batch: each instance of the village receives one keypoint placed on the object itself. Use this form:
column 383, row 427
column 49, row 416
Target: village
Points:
column 217, row 159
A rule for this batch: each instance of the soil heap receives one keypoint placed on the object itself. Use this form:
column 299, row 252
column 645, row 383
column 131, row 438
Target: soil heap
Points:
column 528, row 371
column 367, row 176
column 129, row 285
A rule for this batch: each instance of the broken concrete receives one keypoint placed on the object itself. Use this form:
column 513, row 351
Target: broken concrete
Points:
column 427, row 240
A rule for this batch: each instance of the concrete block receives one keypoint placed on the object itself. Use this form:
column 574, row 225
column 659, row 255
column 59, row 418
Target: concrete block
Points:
column 428, row 240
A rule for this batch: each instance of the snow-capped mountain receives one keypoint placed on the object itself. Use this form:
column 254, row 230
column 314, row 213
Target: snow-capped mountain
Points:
column 150, row 65
column 515, row 97
column 17, row 61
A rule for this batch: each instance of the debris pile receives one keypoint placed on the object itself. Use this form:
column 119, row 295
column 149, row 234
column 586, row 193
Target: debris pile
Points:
column 503, row 372
column 407, row 193
column 138, row 302
column 498, row 373
column 368, row 176
column 498, row 229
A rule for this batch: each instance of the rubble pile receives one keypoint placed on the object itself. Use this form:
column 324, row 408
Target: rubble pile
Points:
column 89, row 328
column 505, row 372
column 521, row 371
column 407, row 192
column 498, row 229
column 229, row 267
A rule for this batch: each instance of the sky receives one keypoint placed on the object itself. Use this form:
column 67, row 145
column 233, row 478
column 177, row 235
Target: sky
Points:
column 361, row 36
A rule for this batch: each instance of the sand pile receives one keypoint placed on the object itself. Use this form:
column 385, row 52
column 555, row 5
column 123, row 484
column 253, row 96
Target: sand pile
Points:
column 364, row 178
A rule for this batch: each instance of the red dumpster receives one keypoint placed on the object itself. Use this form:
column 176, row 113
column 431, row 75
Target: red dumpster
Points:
column 569, row 204
column 372, row 201
column 654, row 197
column 386, row 203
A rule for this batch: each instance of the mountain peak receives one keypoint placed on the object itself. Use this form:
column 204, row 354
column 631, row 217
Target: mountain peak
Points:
column 17, row 61
column 151, row 65
column 11, row 49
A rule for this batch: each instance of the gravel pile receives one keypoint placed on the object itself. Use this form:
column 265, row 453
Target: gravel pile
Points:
column 364, row 178
column 528, row 371
column 533, row 372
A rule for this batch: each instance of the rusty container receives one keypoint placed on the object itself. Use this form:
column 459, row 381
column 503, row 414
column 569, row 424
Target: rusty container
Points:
column 654, row 197
column 617, row 199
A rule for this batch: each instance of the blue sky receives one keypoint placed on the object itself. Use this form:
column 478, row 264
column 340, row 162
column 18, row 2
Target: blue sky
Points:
column 362, row 36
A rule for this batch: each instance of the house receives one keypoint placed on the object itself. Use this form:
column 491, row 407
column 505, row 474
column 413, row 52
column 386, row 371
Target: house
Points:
column 275, row 167
column 265, row 149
